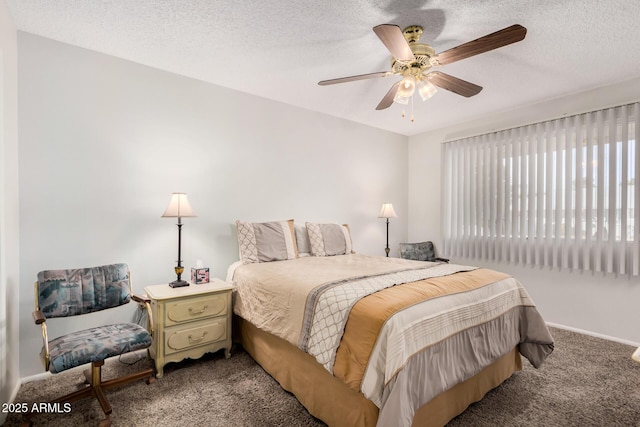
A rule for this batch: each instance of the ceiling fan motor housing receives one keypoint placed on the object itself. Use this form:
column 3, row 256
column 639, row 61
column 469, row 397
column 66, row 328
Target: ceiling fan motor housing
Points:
column 422, row 52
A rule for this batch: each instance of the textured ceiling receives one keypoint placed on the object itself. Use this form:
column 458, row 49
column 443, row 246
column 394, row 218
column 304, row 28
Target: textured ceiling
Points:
column 281, row 49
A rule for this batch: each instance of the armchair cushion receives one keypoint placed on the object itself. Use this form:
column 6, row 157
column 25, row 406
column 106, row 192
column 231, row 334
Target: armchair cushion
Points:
column 84, row 290
column 96, row 344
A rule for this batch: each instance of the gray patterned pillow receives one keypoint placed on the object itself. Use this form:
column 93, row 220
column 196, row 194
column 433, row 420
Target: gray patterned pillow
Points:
column 423, row 251
column 329, row 239
column 266, row 241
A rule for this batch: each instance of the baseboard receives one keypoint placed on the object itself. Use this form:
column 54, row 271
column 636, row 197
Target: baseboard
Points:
column 12, row 398
column 593, row 334
column 36, row 377
column 140, row 354
column 47, row 374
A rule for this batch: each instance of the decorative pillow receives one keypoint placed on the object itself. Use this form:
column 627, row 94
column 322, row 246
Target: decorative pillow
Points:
column 423, row 251
column 329, row 239
column 302, row 240
column 266, row 241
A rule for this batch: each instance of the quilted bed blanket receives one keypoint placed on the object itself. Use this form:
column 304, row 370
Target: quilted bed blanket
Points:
column 399, row 331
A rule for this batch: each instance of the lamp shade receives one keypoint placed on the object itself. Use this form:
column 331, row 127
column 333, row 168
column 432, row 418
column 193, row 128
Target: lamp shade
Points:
column 426, row 90
column 178, row 207
column 404, row 100
column 387, row 211
column 407, row 86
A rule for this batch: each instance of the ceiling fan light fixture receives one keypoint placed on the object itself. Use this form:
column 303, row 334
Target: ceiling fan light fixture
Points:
column 426, row 89
column 407, row 87
column 404, row 100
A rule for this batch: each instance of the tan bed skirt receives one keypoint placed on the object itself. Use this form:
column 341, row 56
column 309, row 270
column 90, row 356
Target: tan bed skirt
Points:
column 330, row 400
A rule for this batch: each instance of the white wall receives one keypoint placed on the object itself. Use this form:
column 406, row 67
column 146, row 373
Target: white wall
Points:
column 104, row 142
column 9, row 262
column 601, row 304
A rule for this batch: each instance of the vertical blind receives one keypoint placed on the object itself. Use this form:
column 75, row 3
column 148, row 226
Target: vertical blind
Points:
column 560, row 194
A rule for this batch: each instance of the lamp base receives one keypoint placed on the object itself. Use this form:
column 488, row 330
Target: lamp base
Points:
column 178, row 284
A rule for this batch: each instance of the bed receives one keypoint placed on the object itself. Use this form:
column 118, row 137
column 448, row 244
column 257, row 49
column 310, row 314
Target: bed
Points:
column 365, row 340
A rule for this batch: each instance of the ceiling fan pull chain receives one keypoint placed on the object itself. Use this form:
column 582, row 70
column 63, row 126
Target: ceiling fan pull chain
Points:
column 412, row 109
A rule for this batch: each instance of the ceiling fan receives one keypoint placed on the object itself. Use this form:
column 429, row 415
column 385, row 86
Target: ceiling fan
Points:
column 413, row 62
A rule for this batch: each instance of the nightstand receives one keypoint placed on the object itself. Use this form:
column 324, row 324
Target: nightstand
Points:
column 189, row 321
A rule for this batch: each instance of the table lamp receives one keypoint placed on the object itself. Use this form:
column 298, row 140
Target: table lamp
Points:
column 179, row 207
column 387, row 212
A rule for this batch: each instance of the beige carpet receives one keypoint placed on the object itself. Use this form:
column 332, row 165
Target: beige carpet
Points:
column 586, row 382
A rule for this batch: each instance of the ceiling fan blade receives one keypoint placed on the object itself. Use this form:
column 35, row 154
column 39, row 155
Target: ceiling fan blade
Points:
column 354, row 78
column 392, row 37
column 453, row 84
column 388, row 98
column 506, row 36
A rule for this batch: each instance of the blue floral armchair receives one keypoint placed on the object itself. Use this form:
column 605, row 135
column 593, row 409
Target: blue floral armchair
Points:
column 64, row 293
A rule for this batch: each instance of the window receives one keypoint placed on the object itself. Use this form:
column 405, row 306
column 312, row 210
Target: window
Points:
column 561, row 193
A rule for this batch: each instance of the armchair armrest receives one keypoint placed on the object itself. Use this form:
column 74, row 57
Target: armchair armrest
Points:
column 39, row 317
column 145, row 301
column 141, row 299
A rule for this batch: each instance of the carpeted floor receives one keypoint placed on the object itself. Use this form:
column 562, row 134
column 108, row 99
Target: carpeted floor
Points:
column 586, row 382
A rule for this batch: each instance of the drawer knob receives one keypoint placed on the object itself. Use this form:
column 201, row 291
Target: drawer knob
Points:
column 192, row 339
column 193, row 312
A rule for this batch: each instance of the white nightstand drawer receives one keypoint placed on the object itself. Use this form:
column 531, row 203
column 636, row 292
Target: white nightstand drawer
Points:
column 196, row 308
column 184, row 339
